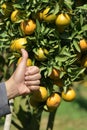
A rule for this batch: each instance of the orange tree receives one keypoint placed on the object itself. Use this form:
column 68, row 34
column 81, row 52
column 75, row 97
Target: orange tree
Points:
column 52, row 32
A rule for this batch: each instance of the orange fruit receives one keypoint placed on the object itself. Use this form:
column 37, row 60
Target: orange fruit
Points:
column 63, row 19
column 53, row 101
column 41, row 54
column 48, row 17
column 70, row 95
column 55, row 74
column 15, row 16
column 28, row 27
column 18, row 44
column 40, row 95
column 83, row 44
column 29, row 62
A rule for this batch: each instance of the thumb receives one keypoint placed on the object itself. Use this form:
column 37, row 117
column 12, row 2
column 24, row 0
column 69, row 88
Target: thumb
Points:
column 18, row 75
column 24, row 55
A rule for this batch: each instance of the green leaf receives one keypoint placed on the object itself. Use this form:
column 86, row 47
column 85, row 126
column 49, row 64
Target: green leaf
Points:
column 76, row 45
column 38, row 26
column 84, row 7
column 56, row 9
column 81, row 19
column 61, row 58
column 68, row 3
column 84, row 28
column 80, row 71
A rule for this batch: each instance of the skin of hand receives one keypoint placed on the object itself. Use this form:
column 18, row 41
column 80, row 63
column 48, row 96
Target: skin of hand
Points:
column 24, row 80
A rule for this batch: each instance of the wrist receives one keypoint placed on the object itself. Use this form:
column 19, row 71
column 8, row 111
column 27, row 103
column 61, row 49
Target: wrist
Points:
column 11, row 89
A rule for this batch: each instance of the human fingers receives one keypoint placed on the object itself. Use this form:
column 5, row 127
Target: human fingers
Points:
column 32, row 70
column 33, row 77
column 30, row 83
column 33, row 87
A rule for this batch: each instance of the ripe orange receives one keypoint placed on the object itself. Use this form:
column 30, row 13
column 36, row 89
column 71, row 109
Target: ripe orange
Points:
column 29, row 61
column 28, row 26
column 40, row 95
column 70, row 95
column 18, row 44
column 83, row 44
column 41, row 54
column 48, row 17
column 53, row 101
column 63, row 19
column 15, row 16
column 55, row 74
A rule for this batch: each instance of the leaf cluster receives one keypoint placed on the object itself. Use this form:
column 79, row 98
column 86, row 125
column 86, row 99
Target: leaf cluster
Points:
column 62, row 47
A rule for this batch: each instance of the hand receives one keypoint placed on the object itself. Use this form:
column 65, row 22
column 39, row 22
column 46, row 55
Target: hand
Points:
column 24, row 80
column 32, row 78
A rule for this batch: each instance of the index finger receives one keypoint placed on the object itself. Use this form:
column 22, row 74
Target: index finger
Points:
column 32, row 70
